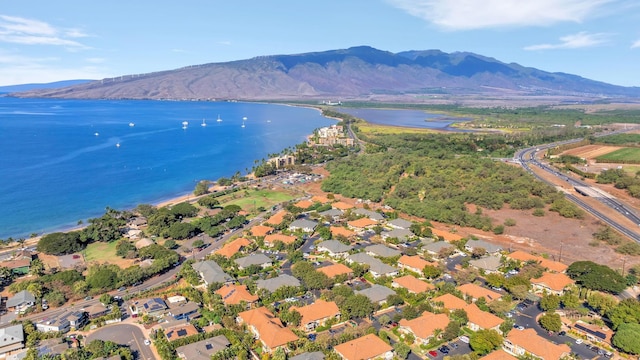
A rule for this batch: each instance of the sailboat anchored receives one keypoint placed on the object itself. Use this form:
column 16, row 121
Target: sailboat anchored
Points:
column 185, row 124
column 219, row 120
column 203, row 123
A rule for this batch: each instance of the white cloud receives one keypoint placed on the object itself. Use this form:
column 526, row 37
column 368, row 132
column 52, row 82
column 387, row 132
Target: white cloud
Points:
column 95, row 60
column 478, row 14
column 574, row 41
column 636, row 44
column 18, row 30
column 224, row 42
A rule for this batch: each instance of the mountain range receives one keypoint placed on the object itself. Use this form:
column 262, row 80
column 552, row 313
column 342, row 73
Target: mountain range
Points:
column 355, row 73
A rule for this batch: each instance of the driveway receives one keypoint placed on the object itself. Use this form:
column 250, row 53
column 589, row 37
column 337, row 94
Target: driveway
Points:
column 125, row 334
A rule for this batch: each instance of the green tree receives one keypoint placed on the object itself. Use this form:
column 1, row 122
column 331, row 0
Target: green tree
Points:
column 627, row 311
column 596, row 277
column 357, row 307
column 59, row 243
column 102, row 277
column 550, row 321
column 603, row 303
column 626, row 338
column 208, row 202
column 484, row 341
column 106, row 299
column 202, row 187
column 550, row 302
column 451, row 331
column 36, row 267
column 402, row 350
column 431, row 272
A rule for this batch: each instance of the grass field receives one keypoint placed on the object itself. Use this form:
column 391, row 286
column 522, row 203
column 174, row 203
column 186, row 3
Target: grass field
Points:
column 257, row 198
column 373, row 129
column 103, row 252
column 624, row 155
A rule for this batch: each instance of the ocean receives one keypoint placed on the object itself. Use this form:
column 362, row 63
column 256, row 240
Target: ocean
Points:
column 62, row 161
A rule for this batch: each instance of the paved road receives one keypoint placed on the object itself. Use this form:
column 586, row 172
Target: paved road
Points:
column 125, row 334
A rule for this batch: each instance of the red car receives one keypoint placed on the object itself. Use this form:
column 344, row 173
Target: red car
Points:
column 433, row 353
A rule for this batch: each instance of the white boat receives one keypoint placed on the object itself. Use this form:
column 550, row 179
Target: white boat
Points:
column 219, row 120
column 244, row 118
column 203, row 123
column 243, row 124
column 185, row 124
column 132, row 124
column 96, row 134
column 268, row 121
column 117, row 144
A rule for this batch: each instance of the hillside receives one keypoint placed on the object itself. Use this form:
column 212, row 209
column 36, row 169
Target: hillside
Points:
column 355, row 73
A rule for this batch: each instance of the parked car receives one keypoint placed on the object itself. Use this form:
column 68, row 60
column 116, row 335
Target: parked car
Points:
column 464, row 339
column 433, row 353
column 578, row 341
column 312, row 337
column 519, row 327
column 147, row 342
column 88, row 298
column 444, row 349
column 562, row 333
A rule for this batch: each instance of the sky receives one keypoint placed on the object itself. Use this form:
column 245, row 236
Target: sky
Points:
column 43, row 41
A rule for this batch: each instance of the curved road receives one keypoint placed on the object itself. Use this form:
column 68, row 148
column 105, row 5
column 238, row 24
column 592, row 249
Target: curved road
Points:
column 527, row 157
column 127, row 335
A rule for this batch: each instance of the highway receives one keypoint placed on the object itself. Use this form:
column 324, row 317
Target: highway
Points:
column 527, row 157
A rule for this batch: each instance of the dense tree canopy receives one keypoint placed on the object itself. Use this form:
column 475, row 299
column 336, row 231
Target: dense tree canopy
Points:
column 596, row 277
column 59, row 243
column 627, row 338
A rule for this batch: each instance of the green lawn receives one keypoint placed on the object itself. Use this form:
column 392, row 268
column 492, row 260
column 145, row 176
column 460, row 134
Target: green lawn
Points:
column 258, row 198
column 103, row 252
column 624, row 155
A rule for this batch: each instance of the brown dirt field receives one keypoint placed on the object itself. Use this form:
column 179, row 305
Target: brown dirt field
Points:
column 565, row 240
column 591, row 151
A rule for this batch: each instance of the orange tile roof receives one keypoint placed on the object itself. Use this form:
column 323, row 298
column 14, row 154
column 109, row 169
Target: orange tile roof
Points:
column 365, row 347
column 261, row 230
column 415, row 262
column 450, row 302
column 321, row 199
column 231, row 248
column 285, row 239
column 485, row 320
column 270, row 329
column 537, row 345
column 499, row 355
column 554, row 281
column 235, row 294
column 339, row 230
column 277, row 218
column 477, row 291
column 362, row 223
column 303, row 204
column 317, row 311
column 342, row 205
column 549, row 264
column 413, row 284
column 334, row 270
column 446, row 235
column 425, row 326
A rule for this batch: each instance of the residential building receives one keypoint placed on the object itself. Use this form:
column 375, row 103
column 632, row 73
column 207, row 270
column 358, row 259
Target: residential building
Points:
column 334, row 248
column 21, row 301
column 271, row 239
column 144, row 242
column 592, row 332
column 546, row 263
column 267, row 328
column 334, row 270
column 376, row 267
column 261, row 260
column 499, row 355
column 317, row 314
column 375, row 216
column 231, row 248
column 304, row 204
column 175, row 330
column 341, row 205
column 277, row 218
column 70, row 320
column 528, row 343
column 377, row 294
column 184, row 311
column 554, row 283
column 320, row 199
column 305, row 225
column 474, row 292
column 481, row 244
column 333, row 214
column 51, row 347
column 479, row 319
column 341, row 231
column 275, row 283
column 365, row 348
column 403, row 235
column 96, row 310
column 450, row 302
column 382, row 251
column 414, row 263
column 424, row 327
column 261, row 230
column 211, row 272
column 435, row 247
column 11, row 339
column 399, row 224
column 18, row 265
column 412, row 284
column 489, row 264
column 361, row 224
column 204, row 349
column 153, row 307
column 283, row 161
column 236, row 294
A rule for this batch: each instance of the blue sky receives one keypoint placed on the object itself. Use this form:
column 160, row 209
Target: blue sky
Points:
column 43, row 40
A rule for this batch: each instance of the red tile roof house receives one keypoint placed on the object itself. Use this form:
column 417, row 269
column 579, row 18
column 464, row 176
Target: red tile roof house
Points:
column 413, row 263
column 546, row 263
column 236, row 294
column 334, row 270
column 304, row 204
column 412, row 284
column 339, row 230
column 317, row 314
column 479, row 319
column 450, row 302
column 340, row 205
column 271, row 239
column 231, row 248
column 361, row 224
column 277, row 218
column 554, row 283
column 365, row 348
column 267, row 328
column 527, row 342
column 424, row 327
column 261, row 230
column 475, row 292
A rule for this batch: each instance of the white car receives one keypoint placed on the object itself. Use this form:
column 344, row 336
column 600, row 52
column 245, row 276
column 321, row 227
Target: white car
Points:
column 578, row 341
column 147, row 342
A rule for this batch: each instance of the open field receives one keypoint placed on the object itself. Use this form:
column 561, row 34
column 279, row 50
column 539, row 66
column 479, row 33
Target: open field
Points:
column 374, row 129
column 623, row 155
column 105, row 252
column 591, row 151
column 255, row 199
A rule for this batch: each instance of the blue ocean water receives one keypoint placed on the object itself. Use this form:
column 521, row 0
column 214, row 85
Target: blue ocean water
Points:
column 62, row 161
